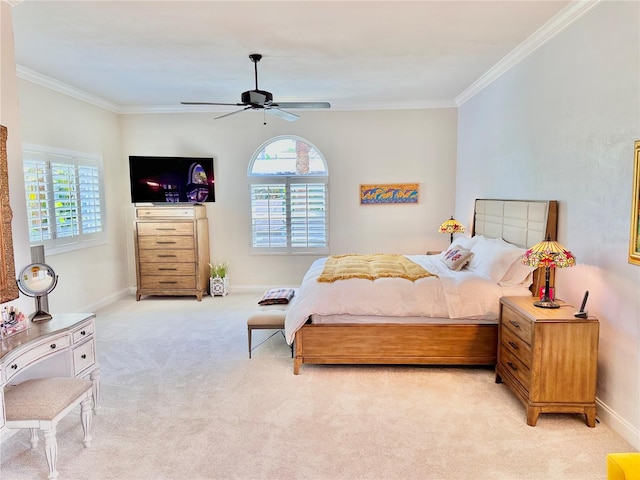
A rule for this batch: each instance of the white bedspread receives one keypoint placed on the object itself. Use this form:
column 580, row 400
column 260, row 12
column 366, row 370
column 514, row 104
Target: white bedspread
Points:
column 450, row 295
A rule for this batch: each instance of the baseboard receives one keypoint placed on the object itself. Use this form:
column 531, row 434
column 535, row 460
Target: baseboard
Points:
column 105, row 301
column 618, row 424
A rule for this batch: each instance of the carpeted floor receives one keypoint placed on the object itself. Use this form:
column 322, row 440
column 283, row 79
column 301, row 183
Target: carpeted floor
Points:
column 181, row 400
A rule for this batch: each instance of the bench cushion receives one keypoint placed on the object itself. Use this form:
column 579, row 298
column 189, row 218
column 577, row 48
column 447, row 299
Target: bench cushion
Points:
column 263, row 318
column 43, row 398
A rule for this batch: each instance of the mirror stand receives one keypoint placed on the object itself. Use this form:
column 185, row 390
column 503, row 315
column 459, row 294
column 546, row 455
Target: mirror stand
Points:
column 40, row 315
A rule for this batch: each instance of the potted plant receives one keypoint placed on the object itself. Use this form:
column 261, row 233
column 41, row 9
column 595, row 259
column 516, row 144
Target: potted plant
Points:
column 219, row 279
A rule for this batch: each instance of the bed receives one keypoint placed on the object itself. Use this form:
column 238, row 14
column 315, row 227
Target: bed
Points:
column 446, row 318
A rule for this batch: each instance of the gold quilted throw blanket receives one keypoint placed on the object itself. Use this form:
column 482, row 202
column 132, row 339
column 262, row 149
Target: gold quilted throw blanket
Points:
column 370, row 267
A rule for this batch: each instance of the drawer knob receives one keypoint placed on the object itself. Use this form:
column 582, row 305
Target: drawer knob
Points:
column 165, row 243
column 53, row 345
column 513, row 367
column 166, row 256
column 83, row 356
column 83, row 332
column 168, row 282
column 14, row 366
column 515, row 347
column 515, row 324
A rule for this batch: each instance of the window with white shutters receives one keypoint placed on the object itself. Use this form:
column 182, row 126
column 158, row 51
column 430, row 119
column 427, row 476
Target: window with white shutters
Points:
column 289, row 198
column 64, row 198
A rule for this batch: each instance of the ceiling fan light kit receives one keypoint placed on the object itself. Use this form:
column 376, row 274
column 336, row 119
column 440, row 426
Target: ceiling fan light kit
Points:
column 262, row 100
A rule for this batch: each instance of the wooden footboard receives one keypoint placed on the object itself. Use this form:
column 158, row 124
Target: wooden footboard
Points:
column 432, row 344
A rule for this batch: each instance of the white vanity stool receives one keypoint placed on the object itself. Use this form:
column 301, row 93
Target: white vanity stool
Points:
column 42, row 402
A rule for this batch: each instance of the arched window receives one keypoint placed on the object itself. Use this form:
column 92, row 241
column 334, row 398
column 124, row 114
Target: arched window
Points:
column 288, row 179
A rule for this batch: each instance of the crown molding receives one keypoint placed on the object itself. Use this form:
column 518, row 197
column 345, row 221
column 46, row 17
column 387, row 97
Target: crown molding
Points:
column 555, row 25
column 58, row 86
column 13, row 3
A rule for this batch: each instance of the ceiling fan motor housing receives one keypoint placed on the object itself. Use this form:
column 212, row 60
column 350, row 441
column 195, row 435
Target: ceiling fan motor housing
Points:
column 257, row 97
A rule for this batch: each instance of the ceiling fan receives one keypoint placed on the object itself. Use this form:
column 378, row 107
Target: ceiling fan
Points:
column 262, row 100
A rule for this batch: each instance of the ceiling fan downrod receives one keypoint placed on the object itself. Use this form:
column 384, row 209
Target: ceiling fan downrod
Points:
column 255, row 58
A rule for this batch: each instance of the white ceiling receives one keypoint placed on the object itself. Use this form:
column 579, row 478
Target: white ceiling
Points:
column 136, row 56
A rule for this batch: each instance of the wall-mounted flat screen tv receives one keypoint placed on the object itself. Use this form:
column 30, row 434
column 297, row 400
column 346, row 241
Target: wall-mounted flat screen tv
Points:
column 171, row 179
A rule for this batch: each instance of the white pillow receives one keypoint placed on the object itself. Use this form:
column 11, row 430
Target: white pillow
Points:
column 493, row 257
column 518, row 274
column 455, row 258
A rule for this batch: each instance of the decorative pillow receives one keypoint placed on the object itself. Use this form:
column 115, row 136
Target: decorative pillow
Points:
column 456, row 258
column 493, row 258
column 460, row 242
column 277, row 296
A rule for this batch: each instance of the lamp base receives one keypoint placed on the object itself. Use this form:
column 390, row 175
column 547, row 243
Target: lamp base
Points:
column 546, row 304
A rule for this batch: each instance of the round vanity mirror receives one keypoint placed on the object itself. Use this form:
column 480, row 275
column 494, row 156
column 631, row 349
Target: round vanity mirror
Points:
column 37, row 280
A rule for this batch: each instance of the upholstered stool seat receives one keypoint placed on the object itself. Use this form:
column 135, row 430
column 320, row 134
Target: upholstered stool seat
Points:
column 41, row 403
column 268, row 319
column 623, row 466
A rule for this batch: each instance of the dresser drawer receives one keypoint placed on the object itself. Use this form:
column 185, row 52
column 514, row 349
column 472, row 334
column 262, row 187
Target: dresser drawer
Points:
column 82, row 333
column 156, row 212
column 518, row 324
column 84, row 356
column 168, row 269
column 167, row 256
column 511, row 364
column 162, row 229
column 518, row 347
column 166, row 283
column 170, row 241
column 34, row 354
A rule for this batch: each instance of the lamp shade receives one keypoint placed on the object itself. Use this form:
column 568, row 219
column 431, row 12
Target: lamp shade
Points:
column 549, row 255
column 452, row 226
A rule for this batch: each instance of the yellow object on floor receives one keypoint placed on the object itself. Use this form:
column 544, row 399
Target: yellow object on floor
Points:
column 623, row 466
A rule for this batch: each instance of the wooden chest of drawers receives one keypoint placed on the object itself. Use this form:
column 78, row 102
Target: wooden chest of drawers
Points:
column 548, row 358
column 172, row 251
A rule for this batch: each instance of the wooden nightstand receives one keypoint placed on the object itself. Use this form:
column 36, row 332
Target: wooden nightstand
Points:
column 548, row 358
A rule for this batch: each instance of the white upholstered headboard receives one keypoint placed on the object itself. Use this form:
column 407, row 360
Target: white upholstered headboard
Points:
column 520, row 222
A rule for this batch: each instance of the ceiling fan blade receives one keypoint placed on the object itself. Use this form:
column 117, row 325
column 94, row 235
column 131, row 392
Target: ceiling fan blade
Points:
column 276, row 112
column 213, row 103
column 302, row 105
column 232, row 113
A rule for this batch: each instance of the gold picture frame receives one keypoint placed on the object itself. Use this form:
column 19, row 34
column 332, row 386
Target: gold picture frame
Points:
column 634, row 238
column 8, row 285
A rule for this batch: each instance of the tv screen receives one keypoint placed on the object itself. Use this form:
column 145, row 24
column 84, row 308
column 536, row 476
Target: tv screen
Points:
column 171, row 179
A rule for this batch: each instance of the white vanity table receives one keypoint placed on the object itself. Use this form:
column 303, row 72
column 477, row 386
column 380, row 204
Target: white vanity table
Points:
column 63, row 346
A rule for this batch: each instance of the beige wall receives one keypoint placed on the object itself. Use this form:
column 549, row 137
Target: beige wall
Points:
column 359, row 147
column 561, row 125
column 89, row 277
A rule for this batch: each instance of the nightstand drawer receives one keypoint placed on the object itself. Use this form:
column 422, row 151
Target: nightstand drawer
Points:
column 518, row 324
column 518, row 347
column 516, row 368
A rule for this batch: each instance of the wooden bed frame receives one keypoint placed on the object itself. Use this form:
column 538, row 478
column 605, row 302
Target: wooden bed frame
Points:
column 523, row 223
